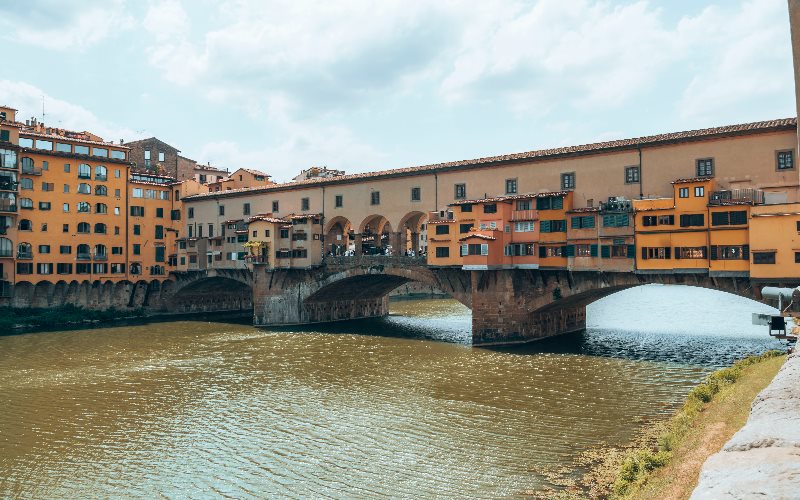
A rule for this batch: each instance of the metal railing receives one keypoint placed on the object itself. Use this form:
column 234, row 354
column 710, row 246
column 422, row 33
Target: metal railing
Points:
column 25, row 255
column 84, row 256
column 743, row 195
column 371, row 260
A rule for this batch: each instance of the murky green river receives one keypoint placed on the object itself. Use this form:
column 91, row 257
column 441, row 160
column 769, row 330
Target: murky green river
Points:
column 399, row 407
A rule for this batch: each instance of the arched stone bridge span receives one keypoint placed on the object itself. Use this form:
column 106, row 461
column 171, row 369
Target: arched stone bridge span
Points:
column 508, row 306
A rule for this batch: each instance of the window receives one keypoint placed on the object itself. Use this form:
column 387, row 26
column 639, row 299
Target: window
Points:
column 475, row 249
column 550, row 203
column 490, row 208
column 44, row 249
column 138, row 211
column 26, row 183
column 100, row 190
column 338, row 201
column 26, row 203
column 705, row 167
column 160, row 254
column 222, row 209
column 582, row 222
column 305, row 204
column 523, row 227
column 117, row 155
column 84, row 227
column 117, row 193
column 84, row 188
column 116, row 250
column 683, row 192
column 25, row 142
column 117, row 268
column 729, row 252
column 137, row 249
column 24, row 251
column 442, row 252
column 48, row 186
column 27, row 165
column 66, row 188
column 45, row 165
column 8, row 158
column 524, row 204
column 5, row 135
column 44, row 227
column 84, row 207
column 616, row 220
column 632, row 175
column 25, row 225
column 42, row 144
column 666, row 220
column 585, row 251
column 692, row 220
column 100, row 228
column 81, row 150
column 66, row 168
column 416, row 194
column 44, row 268
column 137, row 229
column 66, row 207
column 191, row 213
column 284, row 233
column 442, row 229
column 175, row 215
column 137, row 193
column 375, row 198
column 519, row 250
column 160, row 232
column 160, row 212
column 511, row 186
column 24, row 267
column 656, row 253
column 44, row 205
column 568, row 180
column 64, row 268
column 729, row 218
column 460, row 191
column 100, row 173
column 699, row 191
column 161, row 156
column 101, row 152
column 551, row 252
column 63, row 148
column 466, row 208
column 246, row 209
column 763, row 257
column 65, row 249
column 785, row 160
column 691, row 252
column 464, row 228
column 275, row 206
column 147, row 158
column 649, row 220
column 84, row 171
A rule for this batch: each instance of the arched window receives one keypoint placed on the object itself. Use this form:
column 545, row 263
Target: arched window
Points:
column 84, row 206
column 83, row 252
column 100, row 173
column 84, row 227
column 26, row 183
column 6, row 247
column 25, row 203
column 84, row 188
column 101, row 190
column 25, row 225
column 24, row 251
column 100, row 208
column 27, row 165
column 99, row 250
column 100, row 228
column 84, row 171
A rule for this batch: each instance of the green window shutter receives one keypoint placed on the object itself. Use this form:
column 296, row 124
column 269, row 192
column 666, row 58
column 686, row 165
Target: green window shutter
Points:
column 631, row 251
column 544, row 226
column 540, row 204
column 622, row 220
column 160, row 254
column 575, row 223
column 588, row 221
column 593, row 250
column 713, row 253
column 569, row 250
column 667, row 251
column 746, row 252
column 558, row 203
column 677, row 252
column 562, row 226
column 605, row 251
column 542, row 252
column 684, row 220
column 644, row 253
column 5, row 136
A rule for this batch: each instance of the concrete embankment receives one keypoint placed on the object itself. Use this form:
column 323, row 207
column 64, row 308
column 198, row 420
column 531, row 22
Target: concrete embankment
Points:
column 762, row 459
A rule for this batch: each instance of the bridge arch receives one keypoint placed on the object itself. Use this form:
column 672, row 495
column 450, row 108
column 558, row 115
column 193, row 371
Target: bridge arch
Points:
column 411, row 236
column 337, row 235
column 374, row 235
column 207, row 291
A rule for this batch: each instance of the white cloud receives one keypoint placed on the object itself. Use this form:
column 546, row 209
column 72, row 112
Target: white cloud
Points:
column 58, row 113
column 55, row 26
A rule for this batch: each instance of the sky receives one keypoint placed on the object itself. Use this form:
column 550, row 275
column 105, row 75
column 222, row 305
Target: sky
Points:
column 361, row 85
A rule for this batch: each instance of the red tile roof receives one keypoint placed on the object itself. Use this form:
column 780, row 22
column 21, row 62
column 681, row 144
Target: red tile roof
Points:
column 477, row 235
column 691, row 179
column 584, row 149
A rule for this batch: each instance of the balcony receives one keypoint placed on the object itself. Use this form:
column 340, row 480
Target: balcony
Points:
column 84, row 256
column 6, row 206
column 521, row 215
column 6, row 254
column 31, row 170
column 8, row 183
column 749, row 196
column 100, row 257
column 25, row 255
column 100, row 177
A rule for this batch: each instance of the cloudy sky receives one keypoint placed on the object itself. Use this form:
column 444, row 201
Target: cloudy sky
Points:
column 362, row 85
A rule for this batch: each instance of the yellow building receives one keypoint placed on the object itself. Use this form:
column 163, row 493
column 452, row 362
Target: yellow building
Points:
column 290, row 242
column 774, row 234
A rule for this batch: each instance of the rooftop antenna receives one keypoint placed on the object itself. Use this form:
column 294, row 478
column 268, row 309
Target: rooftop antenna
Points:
column 42, row 108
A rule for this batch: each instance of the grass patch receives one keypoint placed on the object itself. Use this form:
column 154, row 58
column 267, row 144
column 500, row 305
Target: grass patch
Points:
column 641, row 462
column 64, row 315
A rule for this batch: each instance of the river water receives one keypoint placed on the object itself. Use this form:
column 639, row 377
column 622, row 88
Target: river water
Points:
column 398, row 407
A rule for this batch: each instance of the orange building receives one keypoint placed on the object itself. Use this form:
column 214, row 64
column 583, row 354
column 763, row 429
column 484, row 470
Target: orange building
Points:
column 9, row 191
column 242, row 178
column 153, row 225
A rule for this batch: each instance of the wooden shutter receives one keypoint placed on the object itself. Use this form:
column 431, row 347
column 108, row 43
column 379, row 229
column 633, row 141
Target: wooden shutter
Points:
column 631, row 251
column 667, row 252
column 593, row 250
column 605, row 251
column 588, row 221
column 746, row 252
column 677, row 252
column 544, row 226
column 4, row 135
column 484, row 249
column 576, row 222
column 644, row 253
column 684, row 220
column 569, row 250
column 713, row 253
column 542, row 252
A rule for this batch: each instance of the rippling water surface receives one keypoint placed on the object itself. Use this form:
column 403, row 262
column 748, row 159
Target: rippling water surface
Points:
column 395, row 407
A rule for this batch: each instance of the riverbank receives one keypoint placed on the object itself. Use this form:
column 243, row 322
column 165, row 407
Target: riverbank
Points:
column 666, row 458
column 70, row 317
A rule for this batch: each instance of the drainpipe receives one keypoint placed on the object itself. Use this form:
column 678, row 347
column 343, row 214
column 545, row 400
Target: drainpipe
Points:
column 435, row 191
column 641, row 172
